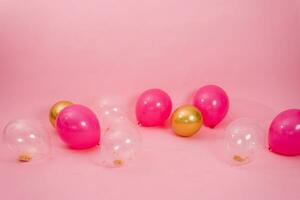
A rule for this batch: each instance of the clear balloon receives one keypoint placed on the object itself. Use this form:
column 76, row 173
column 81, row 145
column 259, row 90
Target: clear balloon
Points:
column 243, row 139
column 284, row 133
column 109, row 113
column 78, row 127
column 26, row 140
column 213, row 103
column 120, row 145
column 153, row 107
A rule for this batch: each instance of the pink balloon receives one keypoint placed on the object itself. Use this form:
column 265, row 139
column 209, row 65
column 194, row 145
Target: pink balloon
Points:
column 78, row 127
column 284, row 133
column 213, row 103
column 153, row 107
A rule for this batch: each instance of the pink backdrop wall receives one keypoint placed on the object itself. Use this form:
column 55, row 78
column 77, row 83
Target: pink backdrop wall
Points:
column 80, row 50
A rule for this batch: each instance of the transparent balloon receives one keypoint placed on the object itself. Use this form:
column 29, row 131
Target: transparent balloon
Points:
column 26, row 140
column 120, row 145
column 244, row 137
column 109, row 112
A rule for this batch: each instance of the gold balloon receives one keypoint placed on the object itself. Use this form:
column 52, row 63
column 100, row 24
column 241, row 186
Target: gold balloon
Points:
column 56, row 108
column 186, row 121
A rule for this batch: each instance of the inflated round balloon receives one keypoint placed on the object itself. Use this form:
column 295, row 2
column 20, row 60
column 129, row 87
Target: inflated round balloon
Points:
column 27, row 140
column 186, row 121
column 56, row 108
column 153, row 107
column 109, row 112
column 284, row 133
column 119, row 145
column 78, row 127
column 213, row 103
column 243, row 138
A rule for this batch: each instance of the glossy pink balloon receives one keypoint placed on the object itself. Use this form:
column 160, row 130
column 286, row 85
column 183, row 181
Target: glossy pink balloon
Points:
column 284, row 133
column 213, row 103
column 153, row 107
column 78, row 127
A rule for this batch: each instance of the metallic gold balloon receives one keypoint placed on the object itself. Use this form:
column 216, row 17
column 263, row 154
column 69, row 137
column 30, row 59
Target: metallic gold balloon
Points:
column 186, row 121
column 56, row 108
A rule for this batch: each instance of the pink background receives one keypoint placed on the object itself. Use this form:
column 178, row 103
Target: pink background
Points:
column 82, row 50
